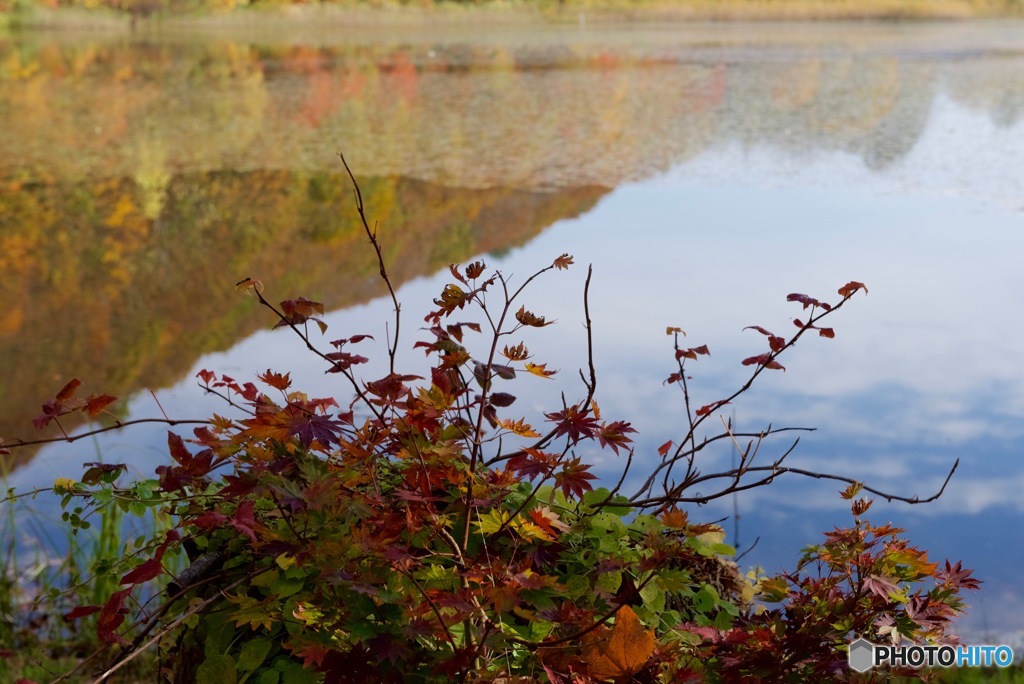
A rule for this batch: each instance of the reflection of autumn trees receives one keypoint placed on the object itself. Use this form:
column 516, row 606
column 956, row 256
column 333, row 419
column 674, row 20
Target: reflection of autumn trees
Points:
column 95, row 288
column 993, row 86
column 122, row 162
column 462, row 114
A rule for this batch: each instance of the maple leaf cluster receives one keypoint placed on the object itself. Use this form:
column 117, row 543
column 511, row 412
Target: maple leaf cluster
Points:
column 422, row 526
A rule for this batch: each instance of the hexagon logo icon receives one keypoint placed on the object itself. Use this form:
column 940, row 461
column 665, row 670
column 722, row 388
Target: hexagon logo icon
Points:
column 862, row 655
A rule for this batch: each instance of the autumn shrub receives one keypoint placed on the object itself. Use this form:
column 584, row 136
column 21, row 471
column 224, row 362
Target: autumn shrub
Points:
column 418, row 529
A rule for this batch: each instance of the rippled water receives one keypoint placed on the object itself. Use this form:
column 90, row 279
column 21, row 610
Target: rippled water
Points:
column 706, row 171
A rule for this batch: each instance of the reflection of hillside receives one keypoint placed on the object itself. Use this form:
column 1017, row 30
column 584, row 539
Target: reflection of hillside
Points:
column 876, row 108
column 93, row 288
column 467, row 114
column 994, row 86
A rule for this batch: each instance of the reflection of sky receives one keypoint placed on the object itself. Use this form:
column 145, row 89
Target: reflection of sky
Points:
column 924, row 370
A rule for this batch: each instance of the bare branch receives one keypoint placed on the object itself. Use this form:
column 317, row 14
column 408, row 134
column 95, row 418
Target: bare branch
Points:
column 372, row 234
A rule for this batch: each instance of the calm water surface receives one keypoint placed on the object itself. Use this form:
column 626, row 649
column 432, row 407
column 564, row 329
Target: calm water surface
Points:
column 705, row 171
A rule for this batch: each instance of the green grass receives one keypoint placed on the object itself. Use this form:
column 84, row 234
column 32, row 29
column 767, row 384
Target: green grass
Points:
column 40, row 583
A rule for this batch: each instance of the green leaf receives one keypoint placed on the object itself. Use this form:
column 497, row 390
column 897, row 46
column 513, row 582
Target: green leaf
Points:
column 538, row 598
column 266, row 579
column 269, row 677
column 145, row 490
column 217, row 670
column 253, row 653
column 605, row 521
column 287, row 587
column 103, row 496
column 251, row 612
column 609, row 581
column 723, row 550
column 362, row 629
column 723, row 620
column 595, row 496
column 608, row 544
column 219, row 634
column 577, row 586
column 705, row 599
column 491, row 521
column 294, row 673
column 653, row 596
column 646, row 523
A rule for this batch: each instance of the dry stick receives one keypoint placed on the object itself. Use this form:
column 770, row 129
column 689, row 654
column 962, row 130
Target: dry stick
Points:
column 117, row 426
column 592, row 385
column 372, row 234
column 676, row 495
column 153, row 394
column 227, row 398
column 776, row 471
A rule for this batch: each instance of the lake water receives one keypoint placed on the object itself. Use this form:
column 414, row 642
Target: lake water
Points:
column 706, row 171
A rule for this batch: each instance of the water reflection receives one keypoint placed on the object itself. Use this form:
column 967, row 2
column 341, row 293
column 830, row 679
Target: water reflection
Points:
column 104, row 293
column 744, row 166
column 506, row 109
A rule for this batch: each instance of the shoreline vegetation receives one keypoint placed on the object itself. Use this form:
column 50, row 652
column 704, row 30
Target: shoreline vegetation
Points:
column 145, row 14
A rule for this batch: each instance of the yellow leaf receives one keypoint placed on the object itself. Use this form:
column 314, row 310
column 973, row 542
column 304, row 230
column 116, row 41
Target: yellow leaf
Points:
column 539, row 369
column 527, row 530
column 64, row 485
column 620, row 651
column 248, row 285
column 715, row 536
column 251, row 612
column 519, row 427
column 492, row 521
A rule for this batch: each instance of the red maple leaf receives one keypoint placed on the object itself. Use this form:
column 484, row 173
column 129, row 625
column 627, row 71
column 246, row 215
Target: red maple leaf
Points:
column 574, row 478
column 574, row 423
column 309, row 427
column 614, row 435
column 243, row 520
column 532, row 462
column 112, row 616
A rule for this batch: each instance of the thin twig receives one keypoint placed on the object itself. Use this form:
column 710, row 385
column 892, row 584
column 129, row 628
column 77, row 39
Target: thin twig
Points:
column 118, row 426
column 372, row 234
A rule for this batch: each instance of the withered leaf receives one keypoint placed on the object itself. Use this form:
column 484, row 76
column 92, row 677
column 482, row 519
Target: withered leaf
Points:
column 531, row 319
column 563, row 262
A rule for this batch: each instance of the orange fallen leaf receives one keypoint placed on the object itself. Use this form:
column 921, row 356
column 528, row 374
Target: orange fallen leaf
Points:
column 621, row 650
